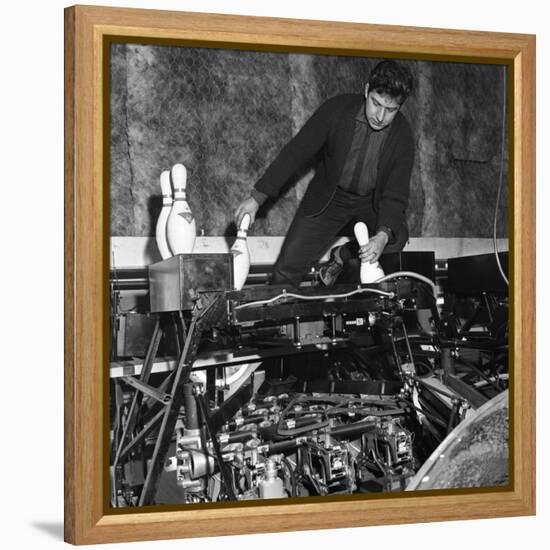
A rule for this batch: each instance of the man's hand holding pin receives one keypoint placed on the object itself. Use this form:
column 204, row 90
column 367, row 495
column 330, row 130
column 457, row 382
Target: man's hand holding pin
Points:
column 373, row 249
column 249, row 206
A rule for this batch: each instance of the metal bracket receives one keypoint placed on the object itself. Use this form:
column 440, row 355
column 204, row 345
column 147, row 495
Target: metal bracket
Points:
column 144, row 388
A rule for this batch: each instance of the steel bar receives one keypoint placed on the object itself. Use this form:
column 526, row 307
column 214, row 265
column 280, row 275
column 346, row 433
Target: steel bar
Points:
column 143, row 433
column 144, row 377
column 466, row 391
column 207, row 308
column 148, row 390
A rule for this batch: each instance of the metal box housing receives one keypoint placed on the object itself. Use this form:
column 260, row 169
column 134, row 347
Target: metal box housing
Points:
column 476, row 274
column 175, row 282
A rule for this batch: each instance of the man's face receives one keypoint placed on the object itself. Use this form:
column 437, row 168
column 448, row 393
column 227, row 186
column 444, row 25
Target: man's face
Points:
column 380, row 109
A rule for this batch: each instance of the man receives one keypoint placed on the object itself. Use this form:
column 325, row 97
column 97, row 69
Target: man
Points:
column 365, row 151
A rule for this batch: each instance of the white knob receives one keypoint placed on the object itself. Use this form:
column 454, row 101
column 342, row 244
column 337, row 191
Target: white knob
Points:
column 165, row 186
column 245, row 223
column 179, row 176
column 361, row 233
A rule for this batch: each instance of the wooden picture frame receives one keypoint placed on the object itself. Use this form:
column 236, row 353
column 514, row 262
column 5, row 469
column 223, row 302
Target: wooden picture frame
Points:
column 87, row 520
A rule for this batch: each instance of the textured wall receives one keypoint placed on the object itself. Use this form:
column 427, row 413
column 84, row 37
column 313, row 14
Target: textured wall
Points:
column 459, row 121
column 225, row 115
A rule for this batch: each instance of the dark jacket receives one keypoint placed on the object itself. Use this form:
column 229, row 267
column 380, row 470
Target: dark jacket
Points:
column 329, row 133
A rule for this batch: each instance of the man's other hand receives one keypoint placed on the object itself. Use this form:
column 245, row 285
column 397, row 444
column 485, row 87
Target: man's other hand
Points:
column 373, row 249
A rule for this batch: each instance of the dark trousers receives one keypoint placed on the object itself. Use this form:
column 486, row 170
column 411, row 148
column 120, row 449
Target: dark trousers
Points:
column 309, row 236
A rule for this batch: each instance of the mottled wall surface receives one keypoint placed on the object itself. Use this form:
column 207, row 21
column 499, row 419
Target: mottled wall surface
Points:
column 459, row 135
column 226, row 114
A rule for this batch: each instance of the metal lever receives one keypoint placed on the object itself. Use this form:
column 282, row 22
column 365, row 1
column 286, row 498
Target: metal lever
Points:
column 144, row 388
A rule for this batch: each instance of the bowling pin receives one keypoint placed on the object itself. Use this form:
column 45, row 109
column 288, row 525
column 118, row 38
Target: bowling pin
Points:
column 241, row 254
column 369, row 272
column 160, row 232
column 181, row 230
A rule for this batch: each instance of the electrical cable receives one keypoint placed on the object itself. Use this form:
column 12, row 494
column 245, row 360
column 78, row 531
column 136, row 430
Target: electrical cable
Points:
column 317, row 297
column 426, row 413
column 224, row 473
column 503, row 137
column 410, row 274
column 288, row 466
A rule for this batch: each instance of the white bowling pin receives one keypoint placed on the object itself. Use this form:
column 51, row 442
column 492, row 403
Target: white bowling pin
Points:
column 241, row 254
column 160, row 233
column 181, row 230
column 369, row 272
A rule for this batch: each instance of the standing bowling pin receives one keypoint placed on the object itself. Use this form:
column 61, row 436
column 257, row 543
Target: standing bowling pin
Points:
column 181, row 230
column 369, row 272
column 241, row 254
column 160, row 233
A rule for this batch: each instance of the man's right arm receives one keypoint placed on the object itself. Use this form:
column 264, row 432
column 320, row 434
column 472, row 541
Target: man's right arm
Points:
column 250, row 206
column 298, row 151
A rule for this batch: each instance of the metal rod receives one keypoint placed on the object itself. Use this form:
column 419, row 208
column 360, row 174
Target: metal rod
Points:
column 409, row 350
column 204, row 311
column 190, row 406
column 478, row 371
column 144, row 377
column 297, row 331
column 447, row 363
column 170, row 414
column 148, row 390
column 142, row 434
column 396, row 355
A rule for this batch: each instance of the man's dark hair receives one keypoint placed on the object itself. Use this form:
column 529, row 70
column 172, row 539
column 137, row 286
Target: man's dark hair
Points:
column 391, row 78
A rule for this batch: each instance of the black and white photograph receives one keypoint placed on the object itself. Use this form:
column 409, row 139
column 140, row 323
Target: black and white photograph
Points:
column 275, row 275
column 308, row 275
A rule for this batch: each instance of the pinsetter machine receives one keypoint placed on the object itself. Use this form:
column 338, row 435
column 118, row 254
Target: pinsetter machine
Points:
column 271, row 393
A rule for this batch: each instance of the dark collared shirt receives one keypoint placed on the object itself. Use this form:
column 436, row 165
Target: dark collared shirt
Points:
column 361, row 166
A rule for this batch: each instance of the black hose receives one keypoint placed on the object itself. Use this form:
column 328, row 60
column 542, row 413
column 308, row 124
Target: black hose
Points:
column 288, row 466
column 281, row 446
column 302, row 429
column 190, row 407
column 240, row 437
column 351, row 429
column 368, row 412
column 217, row 451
